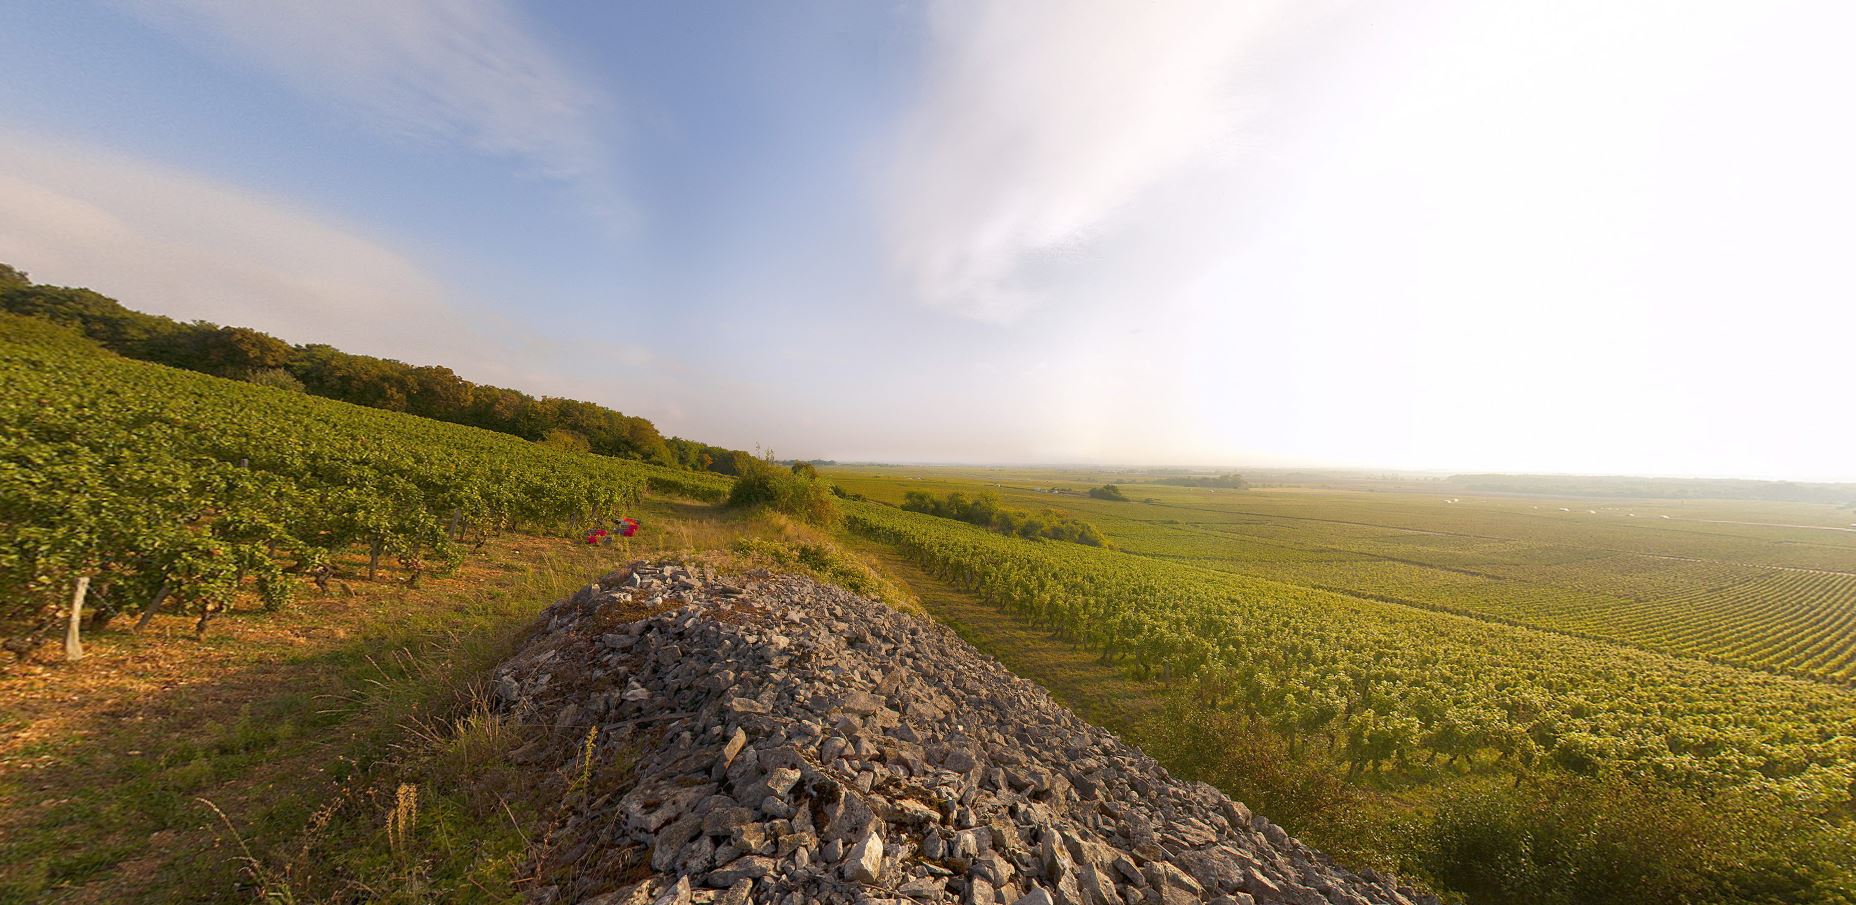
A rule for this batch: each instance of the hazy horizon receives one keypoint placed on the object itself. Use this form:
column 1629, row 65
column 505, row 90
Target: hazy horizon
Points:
column 1446, row 237
column 1367, row 470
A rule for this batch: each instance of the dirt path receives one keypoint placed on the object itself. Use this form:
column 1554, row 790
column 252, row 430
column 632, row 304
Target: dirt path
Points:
column 1100, row 694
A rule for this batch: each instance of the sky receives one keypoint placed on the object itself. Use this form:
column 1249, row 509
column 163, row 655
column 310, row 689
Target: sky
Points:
column 1451, row 235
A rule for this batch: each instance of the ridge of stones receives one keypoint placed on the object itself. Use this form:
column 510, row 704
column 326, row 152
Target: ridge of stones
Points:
column 766, row 738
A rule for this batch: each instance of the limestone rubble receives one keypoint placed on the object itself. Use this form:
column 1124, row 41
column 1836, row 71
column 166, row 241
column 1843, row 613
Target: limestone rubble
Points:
column 790, row 742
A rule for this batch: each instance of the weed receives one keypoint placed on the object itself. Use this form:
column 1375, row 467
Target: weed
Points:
column 402, row 818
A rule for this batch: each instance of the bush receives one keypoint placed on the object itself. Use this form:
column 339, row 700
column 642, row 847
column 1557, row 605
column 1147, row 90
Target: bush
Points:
column 1249, row 762
column 36, row 332
column 1571, row 839
column 565, row 439
column 986, row 512
column 277, row 378
column 806, row 499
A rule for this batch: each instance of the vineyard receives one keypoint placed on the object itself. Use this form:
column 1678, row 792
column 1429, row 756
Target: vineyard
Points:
column 1797, row 620
column 1408, row 641
column 168, row 491
column 1383, row 683
column 1774, row 597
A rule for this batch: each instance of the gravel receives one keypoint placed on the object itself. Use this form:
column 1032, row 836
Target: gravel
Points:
column 777, row 740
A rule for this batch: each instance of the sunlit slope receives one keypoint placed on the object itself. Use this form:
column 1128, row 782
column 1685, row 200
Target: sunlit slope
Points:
column 1382, row 678
column 160, row 484
column 1762, row 585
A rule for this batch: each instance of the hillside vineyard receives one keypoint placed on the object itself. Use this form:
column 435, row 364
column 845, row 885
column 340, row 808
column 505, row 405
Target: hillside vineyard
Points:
column 168, row 486
column 1381, row 682
column 1678, row 577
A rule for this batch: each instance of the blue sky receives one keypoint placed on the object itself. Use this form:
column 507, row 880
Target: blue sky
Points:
column 1451, row 235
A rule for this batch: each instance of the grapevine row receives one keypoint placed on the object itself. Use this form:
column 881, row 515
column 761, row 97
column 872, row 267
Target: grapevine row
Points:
column 1792, row 621
column 169, row 488
column 1384, row 683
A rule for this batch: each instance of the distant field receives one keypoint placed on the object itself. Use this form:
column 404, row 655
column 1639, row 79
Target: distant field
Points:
column 1769, row 586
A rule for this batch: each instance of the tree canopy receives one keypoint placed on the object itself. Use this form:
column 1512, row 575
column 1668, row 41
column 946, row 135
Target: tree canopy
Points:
column 431, row 391
column 985, row 511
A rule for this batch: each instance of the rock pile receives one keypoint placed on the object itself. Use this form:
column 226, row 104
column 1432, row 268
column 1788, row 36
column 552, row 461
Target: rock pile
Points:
column 765, row 738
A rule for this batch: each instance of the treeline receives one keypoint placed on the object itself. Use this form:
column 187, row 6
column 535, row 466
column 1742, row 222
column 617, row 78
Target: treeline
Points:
column 1658, row 488
column 986, row 512
column 1232, row 481
column 431, row 391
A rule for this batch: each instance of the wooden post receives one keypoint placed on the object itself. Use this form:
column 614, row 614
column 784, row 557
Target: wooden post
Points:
column 73, row 645
column 148, row 615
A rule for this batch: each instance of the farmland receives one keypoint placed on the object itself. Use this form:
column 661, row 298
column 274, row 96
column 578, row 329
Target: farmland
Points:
column 1505, row 695
column 1765, row 586
column 1396, row 669
column 146, row 487
column 1387, row 682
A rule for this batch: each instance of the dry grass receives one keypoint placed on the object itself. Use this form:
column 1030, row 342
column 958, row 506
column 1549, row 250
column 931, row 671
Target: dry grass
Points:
column 339, row 749
column 276, row 719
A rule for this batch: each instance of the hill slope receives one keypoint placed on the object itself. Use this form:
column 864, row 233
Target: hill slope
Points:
column 431, row 391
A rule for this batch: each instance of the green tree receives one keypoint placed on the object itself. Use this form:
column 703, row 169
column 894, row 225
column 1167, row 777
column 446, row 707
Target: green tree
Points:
column 277, row 378
column 432, row 391
column 783, row 491
column 238, row 351
column 560, row 438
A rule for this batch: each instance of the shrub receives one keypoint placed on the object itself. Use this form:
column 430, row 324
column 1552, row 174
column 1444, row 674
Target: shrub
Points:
column 560, row 438
column 277, row 378
column 37, row 332
column 806, row 499
column 1572, row 839
column 1248, row 762
column 986, row 512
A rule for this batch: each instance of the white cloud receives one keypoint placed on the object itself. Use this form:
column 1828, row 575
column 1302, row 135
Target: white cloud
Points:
column 173, row 243
column 1042, row 123
column 1516, row 236
column 170, row 242
column 467, row 71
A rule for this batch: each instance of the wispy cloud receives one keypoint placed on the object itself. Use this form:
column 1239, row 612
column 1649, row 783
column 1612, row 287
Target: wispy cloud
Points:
column 470, row 72
column 1040, row 123
column 174, row 243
